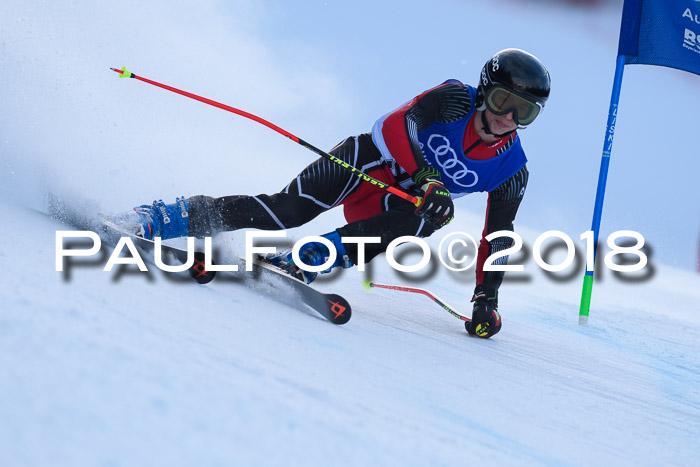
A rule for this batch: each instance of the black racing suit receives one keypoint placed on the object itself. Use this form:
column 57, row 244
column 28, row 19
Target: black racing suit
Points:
column 320, row 186
column 370, row 211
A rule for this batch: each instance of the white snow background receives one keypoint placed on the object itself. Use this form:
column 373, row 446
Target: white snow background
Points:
column 135, row 369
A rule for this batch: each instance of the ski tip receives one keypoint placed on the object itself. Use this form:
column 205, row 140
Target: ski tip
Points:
column 198, row 271
column 368, row 284
column 340, row 311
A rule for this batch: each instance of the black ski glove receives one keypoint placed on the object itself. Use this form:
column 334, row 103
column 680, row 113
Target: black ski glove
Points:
column 486, row 321
column 437, row 207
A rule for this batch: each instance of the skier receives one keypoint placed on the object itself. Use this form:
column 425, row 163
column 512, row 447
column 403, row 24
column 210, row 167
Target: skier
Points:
column 449, row 141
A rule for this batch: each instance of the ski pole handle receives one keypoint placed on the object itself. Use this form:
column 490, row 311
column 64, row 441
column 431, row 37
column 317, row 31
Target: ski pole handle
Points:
column 124, row 73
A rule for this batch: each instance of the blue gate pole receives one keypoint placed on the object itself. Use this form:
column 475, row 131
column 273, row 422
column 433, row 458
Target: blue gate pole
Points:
column 600, row 194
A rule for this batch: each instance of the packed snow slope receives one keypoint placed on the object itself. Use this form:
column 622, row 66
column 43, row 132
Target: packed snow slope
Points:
column 130, row 368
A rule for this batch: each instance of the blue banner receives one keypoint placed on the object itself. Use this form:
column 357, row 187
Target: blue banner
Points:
column 661, row 32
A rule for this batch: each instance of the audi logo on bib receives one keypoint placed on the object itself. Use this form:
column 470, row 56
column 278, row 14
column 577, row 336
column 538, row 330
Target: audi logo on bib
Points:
column 451, row 166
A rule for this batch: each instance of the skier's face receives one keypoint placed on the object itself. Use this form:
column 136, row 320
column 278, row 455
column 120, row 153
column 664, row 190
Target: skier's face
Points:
column 500, row 124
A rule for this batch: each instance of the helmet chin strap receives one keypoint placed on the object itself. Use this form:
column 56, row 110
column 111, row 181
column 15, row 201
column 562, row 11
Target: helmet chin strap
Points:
column 487, row 129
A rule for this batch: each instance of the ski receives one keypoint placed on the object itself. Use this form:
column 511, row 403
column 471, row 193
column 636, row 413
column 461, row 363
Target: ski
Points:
column 331, row 306
column 112, row 232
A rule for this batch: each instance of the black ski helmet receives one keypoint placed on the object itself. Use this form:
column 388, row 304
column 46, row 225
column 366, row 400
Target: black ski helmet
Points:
column 517, row 70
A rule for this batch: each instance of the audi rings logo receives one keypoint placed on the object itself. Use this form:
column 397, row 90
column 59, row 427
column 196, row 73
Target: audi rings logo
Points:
column 451, row 166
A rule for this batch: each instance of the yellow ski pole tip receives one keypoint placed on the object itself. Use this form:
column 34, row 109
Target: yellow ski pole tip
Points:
column 123, row 73
column 367, row 284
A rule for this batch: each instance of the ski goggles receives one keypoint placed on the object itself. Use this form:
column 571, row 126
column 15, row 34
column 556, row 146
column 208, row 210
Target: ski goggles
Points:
column 501, row 101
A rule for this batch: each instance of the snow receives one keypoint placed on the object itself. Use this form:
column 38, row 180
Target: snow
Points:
column 122, row 369
column 129, row 368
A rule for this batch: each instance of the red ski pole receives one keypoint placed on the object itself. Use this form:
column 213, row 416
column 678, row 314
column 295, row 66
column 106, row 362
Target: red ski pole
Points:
column 368, row 284
column 124, row 73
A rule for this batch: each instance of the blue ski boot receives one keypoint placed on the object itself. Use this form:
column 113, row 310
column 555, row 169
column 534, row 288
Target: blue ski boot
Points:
column 162, row 220
column 312, row 254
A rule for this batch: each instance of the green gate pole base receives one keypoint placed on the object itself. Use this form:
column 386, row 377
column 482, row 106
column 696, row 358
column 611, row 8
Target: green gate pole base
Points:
column 585, row 299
